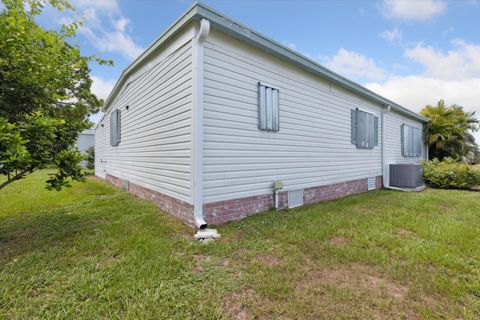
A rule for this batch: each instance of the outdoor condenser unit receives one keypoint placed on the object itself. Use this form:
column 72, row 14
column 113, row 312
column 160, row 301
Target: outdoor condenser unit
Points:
column 406, row 175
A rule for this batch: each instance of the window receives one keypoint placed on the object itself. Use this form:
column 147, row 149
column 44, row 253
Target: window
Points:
column 268, row 110
column 115, row 127
column 364, row 129
column 411, row 141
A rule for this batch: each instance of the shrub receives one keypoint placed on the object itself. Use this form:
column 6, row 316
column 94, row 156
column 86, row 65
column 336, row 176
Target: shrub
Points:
column 450, row 174
column 90, row 158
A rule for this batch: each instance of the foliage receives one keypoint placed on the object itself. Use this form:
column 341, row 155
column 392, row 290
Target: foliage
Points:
column 96, row 252
column 451, row 132
column 45, row 93
column 450, row 174
column 34, row 143
column 90, row 158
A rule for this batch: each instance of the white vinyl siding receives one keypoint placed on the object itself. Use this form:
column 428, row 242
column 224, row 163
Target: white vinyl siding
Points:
column 393, row 138
column 312, row 147
column 155, row 148
column 393, row 141
column 101, row 146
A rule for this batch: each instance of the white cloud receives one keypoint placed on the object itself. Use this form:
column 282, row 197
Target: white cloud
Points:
column 112, row 41
column 414, row 92
column 462, row 62
column 355, row 65
column 105, row 27
column 101, row 87
column 108, row 5
column 393, row 36
column 453, row 76
column 121, row 24
column 112, row 37
column 413, row 10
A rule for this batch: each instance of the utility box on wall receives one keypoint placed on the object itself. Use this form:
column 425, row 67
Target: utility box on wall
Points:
column 406, row 175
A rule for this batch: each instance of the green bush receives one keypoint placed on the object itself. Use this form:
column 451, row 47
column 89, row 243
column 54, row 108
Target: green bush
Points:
column 450, row 174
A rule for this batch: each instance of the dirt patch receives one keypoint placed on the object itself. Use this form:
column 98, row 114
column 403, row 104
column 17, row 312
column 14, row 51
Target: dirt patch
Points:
column 445, row 205
column 109, row 262
column 268, row 259
column 234, row 306
column 356, row 290
column 200, row 260
column 358, row 279
column 407, row 234
column 430, row 301
column 339, row 241
column 238, row 305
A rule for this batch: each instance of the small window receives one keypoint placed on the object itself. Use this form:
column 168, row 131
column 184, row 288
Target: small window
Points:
column 268, row 108
column 364, row 129
column 411, row 141
column 115, row 127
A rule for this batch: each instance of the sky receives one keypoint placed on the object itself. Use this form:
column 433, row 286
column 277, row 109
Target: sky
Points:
column 413, row 52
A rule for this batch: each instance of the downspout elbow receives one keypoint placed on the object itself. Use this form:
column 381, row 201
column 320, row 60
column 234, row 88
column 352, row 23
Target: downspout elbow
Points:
column 204, row 29
column 200, row 222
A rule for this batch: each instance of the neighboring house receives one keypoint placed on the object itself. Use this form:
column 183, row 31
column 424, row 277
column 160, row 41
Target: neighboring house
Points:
column 212, row 113
column 85, row 140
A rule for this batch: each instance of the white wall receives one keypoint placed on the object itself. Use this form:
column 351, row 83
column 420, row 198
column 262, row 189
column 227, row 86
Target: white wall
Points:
column 393, row 146
column 155, row 147
column 85, row 140
column 313, row 146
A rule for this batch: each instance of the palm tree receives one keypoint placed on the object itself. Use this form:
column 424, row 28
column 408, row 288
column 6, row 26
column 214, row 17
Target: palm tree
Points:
column 450, row 132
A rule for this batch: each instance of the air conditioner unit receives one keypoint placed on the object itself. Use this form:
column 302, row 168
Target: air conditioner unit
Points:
column 406, row 175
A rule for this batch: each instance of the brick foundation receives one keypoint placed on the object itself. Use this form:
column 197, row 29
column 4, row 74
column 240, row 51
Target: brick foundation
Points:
column 236, row 209
column 175, row 207
column 379, row 182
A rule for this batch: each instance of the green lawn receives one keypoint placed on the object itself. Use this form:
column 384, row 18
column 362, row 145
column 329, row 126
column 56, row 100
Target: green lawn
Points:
column 92, row 251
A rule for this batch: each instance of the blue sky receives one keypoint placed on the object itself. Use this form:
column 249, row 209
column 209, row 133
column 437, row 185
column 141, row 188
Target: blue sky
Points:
column 413, row 52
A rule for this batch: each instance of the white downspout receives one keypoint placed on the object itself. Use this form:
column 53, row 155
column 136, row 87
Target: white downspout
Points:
column 197, row 168
column 387, row 109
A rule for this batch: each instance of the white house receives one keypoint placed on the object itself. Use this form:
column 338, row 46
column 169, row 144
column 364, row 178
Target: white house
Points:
column 85, row 140
column 213, row 113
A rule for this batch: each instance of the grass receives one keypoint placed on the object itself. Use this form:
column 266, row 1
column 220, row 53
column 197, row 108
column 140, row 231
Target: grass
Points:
column 92, row 251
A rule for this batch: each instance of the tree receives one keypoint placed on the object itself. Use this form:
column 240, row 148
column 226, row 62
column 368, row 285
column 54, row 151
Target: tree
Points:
column 450, row 132
column 45, row 94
